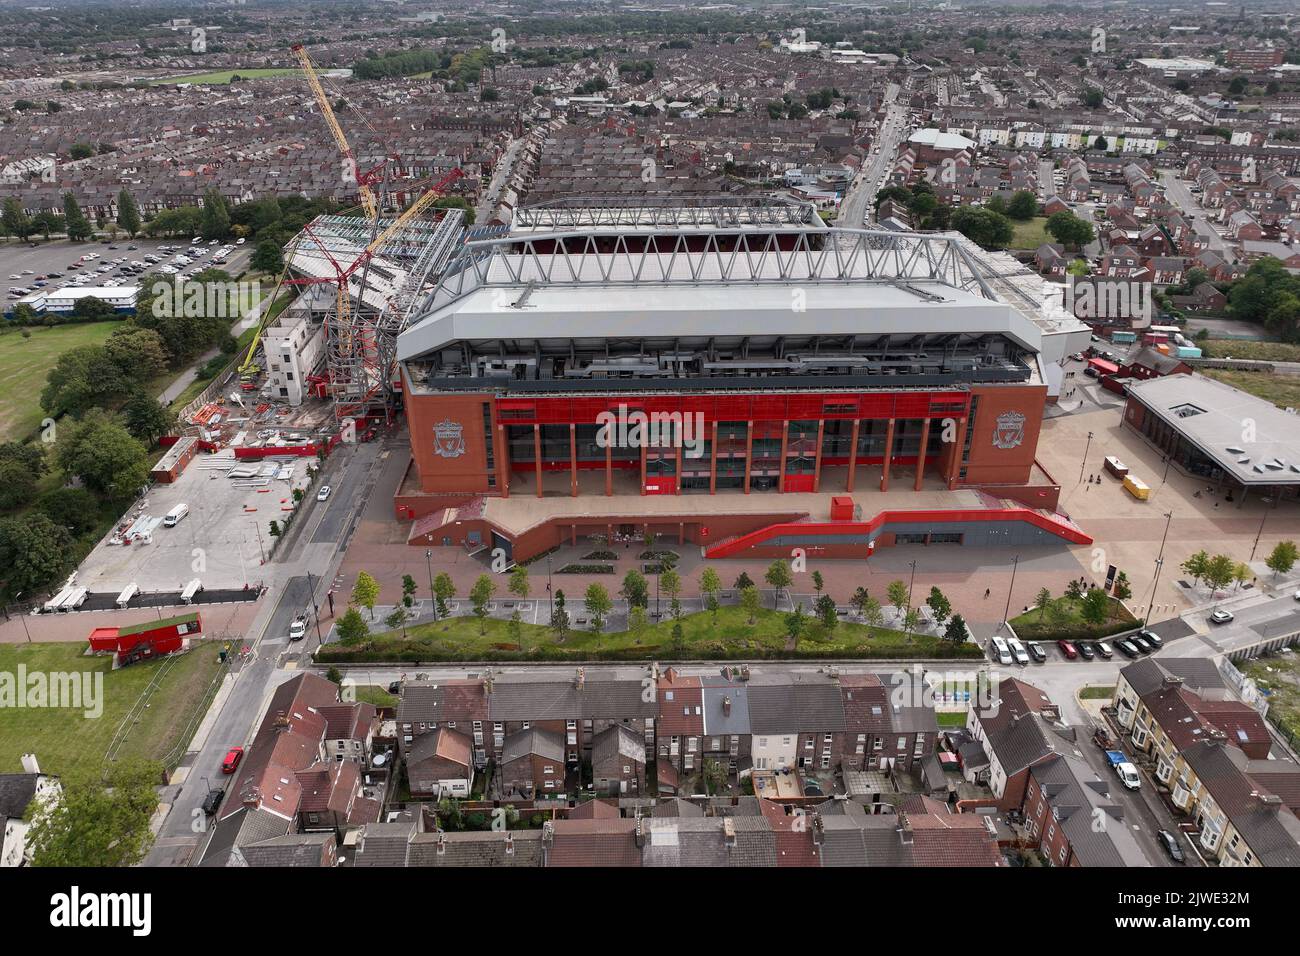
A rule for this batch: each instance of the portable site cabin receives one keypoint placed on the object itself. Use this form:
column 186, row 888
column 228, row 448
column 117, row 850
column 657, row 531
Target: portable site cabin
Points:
column 191, row 589
column 1116, row 467
column 128, row 592
column 1137, row 488
column 142, row 641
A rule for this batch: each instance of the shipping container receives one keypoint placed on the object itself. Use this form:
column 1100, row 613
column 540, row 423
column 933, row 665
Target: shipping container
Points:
column 1136, row 487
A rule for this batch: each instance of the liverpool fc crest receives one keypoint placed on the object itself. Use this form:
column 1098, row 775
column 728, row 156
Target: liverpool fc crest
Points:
column 1009, row 430
column 448, row 439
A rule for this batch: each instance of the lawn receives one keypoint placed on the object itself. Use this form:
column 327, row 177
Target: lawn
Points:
column 1247, row 349
column 1097, row 693
column 732, row 637
column 1282, row 390
column 1030, row 234
column 1035, row 625
column 65, row 740
column 370, row 694
column 223, row 76
column 1278, row 679
column 24, row 363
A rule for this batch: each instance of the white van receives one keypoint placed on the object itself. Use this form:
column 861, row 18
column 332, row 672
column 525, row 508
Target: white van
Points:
column 1001, row 651
column 174, row 516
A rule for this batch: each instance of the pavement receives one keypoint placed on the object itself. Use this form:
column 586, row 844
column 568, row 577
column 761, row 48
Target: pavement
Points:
column 1178, row 191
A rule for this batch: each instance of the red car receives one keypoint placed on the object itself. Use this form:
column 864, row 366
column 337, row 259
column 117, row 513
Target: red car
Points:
column 233, row 756
column 1068, row 649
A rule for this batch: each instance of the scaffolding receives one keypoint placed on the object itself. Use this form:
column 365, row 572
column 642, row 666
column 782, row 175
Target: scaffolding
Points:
column 363, row 322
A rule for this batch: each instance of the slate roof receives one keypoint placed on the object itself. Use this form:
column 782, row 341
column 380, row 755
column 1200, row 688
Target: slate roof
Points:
column 794, row 702
column 293, row 849
column 436, row 701
column 543, row 743
column 675, row 807
column 384, row 844
column 1087, row 813
column 595, row 843
column 477, row 848
column 16, row 792
column 617, row 743
column 1272, row 832
column 444, row 743
column 716, row 691
column 1199, row 674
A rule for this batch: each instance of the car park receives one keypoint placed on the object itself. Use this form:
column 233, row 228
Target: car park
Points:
column 1068, row 649
column 1036, row 652
column 1140, row 644
column 1220, row 616
column 1103, row 650
column 1170, row 842
column 233, row 756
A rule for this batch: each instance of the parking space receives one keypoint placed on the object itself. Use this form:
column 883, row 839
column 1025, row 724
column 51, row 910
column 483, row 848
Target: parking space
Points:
column 222, row 540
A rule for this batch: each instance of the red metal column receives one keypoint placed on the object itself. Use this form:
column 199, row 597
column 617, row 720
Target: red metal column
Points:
column 713, row 462
column 677, row 487
column 785, row 444
column 920, row 459
column 817, row 461
column 537, row 456
column 749, row 452
column 853, row 454
column 573, row 460
column 889, row 454
column 642, row 467
column 609, row 469
column 954, row 465
column 503, row 462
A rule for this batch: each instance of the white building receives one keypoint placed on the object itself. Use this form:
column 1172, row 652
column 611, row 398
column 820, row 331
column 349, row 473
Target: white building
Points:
column 121, row 298
column 294, row 346
column 17, row 792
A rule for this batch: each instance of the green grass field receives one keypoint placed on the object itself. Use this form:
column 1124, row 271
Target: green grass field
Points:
column 1031, row 234
column 1282, row 390
column 1243, row 349
column 1278, row 678
column 1035, row 625
column 24, row 363
column 65, row 740
column 223, row 76
column 732, row 637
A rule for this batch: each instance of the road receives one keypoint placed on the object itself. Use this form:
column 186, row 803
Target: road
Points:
column 860, row 197
column 1181, row 196
column 271, row 660
column 490, row 203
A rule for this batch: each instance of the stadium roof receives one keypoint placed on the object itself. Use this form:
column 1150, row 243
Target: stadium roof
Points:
column 730, row 282
column 650, row 214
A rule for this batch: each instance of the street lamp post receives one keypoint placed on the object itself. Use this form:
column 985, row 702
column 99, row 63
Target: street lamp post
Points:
column 1084, row 464
column 259, row 541
column 1006, row 613
column 428, row 564
column 315, row 608
column 1160, row 563
column 1258, row 533
column 910, row 582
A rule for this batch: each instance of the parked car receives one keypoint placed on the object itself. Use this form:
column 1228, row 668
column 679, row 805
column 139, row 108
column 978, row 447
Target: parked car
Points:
column 1103, row 650
column 1068, row 649
column 1036, row 652
column 1018, row 651
column 1127, row 773
column 1170, row 842
column 233, row 756
column 324, row 493
column 1220, row 616
column 1085, row 651
column 298, row 629
column 1140, row 644
column 1127, row 649
column 1000, row 651
column 395, row 687
column 212, row 801
column 1152, row 638
column 1102, row 738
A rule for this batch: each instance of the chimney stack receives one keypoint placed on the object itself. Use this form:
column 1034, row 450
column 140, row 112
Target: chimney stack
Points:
column 442, row 842
column 729, row 833
column 726, row 706
column 1171, row 681
column 817, row 829
column 905, row 831
column 510, row 843
column 30, row 765
column 640, row 832
column 281, row 721
column 548, row 833
column 1271, row 802
column 582, row 678
column 487, row 684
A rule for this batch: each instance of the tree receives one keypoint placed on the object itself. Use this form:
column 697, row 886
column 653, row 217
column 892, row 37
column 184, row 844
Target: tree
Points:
column 897, row 593
column 515, row 630
column 15, row 219
column 750, row 601
column 911, row 620
column 1282, row 558
column 17, row 485
column 82, row 378
column 397, row 618
column 778, row 575
column 635, row 590
column 408, row 590
column 1196, row 565
column 859, row 600
column 1074, row 590
column 443, row 591
column 128, row 214
column 216, row 216
column 1123, row 589
column 710, row 585
column 1092, row 98
column 268, row 258
column 75, row 222
column 103, row 455
column 34, row 554
column 479, row 595
column 988, row 228
column 1096, row 606
column 598, row 604
column 743, row 581
column 145, row 418
column 794, row 623
column 1068, row 229
column 637, row 620
column 826, row 612
column 1042, row 600
column 1219, row 571
column 518, row 584
column 671, row 583
column 818, row 582
column 956, row 629
column 872, row 613
column 560, row 616
column 1023, row 205
column 101, row 819
column 939, row 605
column 72, row 508
column 679, row 639
column 1241, row 574
column 365, row 591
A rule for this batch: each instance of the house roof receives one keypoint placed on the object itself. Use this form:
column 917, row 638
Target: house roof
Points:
column 595, row 843
column 16, row 792
column 477, row 848
column 1083, row 807
column 1270, row 830
column 617, row 743
column 1199, row 674
column 292, row 849
column 681, row 705
column 533, row 741
column 443, row 744
column 796, row 701
column 717, row 694
column 384, row 844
